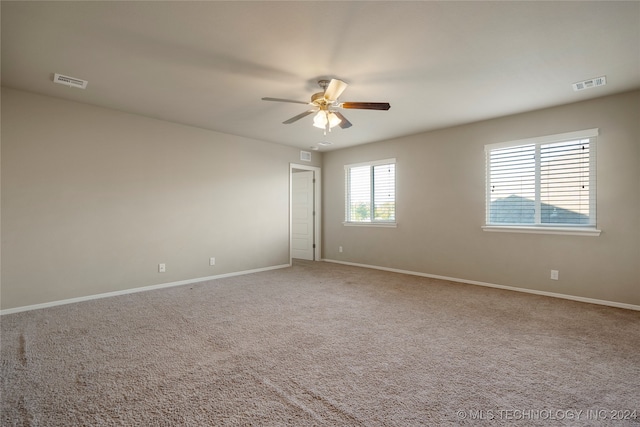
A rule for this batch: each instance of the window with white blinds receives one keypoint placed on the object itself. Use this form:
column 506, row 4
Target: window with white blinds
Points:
column 543, row 182
column 371, row 192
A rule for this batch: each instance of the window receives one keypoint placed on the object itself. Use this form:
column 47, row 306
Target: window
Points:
column 545, row 183
column 371, row 192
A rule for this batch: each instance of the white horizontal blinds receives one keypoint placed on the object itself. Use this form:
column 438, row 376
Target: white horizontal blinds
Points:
column 512, row 185
column 542, row 181
column 359, row 193
column 384, row 193
column 371, row 191
column 565, row 182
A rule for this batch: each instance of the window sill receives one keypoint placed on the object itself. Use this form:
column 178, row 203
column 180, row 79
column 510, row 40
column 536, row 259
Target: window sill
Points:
column 576, row 231
column 370, row 224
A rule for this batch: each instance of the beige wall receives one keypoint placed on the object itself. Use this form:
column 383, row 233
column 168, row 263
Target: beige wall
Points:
column 441, row 203
column 93, row 199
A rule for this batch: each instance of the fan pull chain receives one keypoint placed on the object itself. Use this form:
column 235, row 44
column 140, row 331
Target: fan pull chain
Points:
column 327, row 126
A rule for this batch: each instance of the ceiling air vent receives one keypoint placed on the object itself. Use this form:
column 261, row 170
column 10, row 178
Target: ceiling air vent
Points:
column 70, row 81
column 588, row 84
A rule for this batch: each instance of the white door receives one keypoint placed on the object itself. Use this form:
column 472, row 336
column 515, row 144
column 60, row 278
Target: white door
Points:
column 302, row 233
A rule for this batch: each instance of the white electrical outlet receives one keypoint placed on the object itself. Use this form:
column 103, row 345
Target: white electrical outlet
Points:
column 555, row 274
column 162, row 268
column 339, row 248
column 212, row 261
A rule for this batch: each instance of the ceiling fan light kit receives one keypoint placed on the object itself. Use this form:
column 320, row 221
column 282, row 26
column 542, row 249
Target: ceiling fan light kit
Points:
column 326, row 119
column 325, row 104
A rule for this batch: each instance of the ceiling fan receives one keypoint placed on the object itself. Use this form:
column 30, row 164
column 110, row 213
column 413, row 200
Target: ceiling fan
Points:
column 325, row 104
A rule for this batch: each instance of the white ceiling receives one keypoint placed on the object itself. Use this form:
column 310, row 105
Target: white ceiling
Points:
column 207, row 64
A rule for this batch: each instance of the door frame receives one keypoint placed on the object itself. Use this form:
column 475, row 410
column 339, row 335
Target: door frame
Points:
column 317, row 207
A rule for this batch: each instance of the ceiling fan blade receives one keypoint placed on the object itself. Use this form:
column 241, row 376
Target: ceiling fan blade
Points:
column 298, row 117
column 285, row 100
column 366, row 105
column 344, row 123
column 334, row 90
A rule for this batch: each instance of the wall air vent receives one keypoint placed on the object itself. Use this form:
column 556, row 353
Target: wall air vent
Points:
column 588, row 84
column 305, row 156
column 70, row 81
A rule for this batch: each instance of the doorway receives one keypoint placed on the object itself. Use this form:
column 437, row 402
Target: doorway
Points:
column 304, row 212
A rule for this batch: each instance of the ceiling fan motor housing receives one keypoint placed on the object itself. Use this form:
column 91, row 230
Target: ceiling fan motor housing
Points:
column 318, row 98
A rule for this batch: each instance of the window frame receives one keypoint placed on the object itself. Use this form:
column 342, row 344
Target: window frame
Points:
column 540, row 227
column 347, row 196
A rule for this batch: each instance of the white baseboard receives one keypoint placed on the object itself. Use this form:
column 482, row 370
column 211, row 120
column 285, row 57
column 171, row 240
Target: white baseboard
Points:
column 257, row 270
column 492, row 285
column 135, row 290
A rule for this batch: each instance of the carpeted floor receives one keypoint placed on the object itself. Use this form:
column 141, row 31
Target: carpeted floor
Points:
column 322, row 344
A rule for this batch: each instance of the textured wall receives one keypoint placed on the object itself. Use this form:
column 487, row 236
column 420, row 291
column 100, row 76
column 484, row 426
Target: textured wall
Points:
column 93, row 199
column 441, row 207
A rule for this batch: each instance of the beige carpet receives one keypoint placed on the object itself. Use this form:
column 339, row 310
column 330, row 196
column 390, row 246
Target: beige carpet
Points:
column 322, row 344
